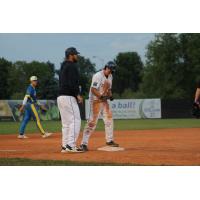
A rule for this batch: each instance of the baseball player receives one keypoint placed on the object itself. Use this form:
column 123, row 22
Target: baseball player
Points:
column 100, row 93
column 69, row 95
column 31, row 106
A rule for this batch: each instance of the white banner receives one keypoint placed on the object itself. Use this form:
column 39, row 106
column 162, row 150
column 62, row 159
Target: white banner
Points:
column 133, row 108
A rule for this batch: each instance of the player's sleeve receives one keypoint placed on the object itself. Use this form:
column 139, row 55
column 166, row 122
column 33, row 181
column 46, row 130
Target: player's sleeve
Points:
column 96, row 81
column 27, row 95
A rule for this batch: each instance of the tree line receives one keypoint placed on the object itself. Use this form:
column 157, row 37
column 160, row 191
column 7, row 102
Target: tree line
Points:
column 171, row 71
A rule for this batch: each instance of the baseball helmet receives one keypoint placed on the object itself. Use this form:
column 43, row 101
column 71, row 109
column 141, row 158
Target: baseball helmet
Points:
column 33, row 78
column 111, row 65
column 71, row 51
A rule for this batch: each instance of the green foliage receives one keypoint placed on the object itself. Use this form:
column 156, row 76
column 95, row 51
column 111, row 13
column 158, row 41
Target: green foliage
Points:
column 171, row 71
column 129, row 72
column 86, row 70
column 15, row 78
column 128, row 94
column 17, row 95
column 5, row 67
column 48, row 85
column 173, row 66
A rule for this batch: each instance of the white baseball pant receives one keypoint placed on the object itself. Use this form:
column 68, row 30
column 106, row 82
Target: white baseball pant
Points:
column 97, row 108
column 70, row 118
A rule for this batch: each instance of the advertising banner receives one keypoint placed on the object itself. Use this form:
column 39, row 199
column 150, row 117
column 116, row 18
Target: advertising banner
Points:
column 133, row 108
column 9, row 110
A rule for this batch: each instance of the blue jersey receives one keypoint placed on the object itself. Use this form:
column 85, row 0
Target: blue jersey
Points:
column 31, row 94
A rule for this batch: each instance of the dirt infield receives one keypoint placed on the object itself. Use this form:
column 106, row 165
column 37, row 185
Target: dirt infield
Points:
column 143, row 147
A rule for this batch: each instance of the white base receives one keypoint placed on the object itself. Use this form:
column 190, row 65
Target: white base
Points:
column 107, row 148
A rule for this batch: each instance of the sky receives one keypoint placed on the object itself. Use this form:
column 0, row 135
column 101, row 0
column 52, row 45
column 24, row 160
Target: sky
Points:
column 99, row 47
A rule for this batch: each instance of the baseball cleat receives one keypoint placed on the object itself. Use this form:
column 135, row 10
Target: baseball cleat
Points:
column 47, row 135
column 69, row 149
column 112, row 144
column 83, row 147
column 22, row 137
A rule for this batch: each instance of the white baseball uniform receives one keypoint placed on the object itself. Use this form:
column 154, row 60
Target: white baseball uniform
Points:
column 98, row 107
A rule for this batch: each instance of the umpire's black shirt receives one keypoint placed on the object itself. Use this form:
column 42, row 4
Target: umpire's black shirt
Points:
column 68, row 79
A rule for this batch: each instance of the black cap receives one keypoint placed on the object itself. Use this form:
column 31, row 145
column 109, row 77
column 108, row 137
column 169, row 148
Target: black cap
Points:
column 111, row 65
column 71, row 51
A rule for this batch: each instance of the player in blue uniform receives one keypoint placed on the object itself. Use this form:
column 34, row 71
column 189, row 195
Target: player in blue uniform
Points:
column 31, row 106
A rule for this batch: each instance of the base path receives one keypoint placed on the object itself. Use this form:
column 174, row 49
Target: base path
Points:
column 142, row 147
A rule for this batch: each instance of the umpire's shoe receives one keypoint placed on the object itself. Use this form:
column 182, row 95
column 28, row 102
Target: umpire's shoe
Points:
column 69, row 149
column 112, row 144
column 84, row 147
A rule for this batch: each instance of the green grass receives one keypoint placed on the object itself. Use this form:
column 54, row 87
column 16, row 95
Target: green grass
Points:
column 139, row 124
column 30, row 162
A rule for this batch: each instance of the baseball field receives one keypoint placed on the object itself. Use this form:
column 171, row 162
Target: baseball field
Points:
column 146, row 142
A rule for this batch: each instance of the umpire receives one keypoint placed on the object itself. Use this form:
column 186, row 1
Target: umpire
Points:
column 68, row 97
